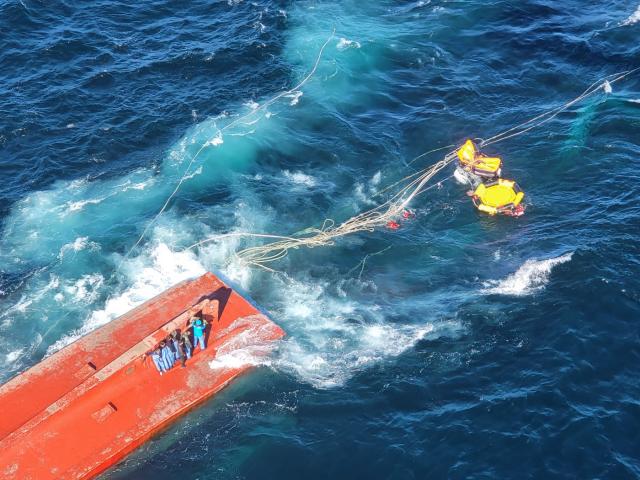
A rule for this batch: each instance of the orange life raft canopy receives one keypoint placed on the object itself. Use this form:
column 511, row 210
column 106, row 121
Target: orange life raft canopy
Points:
column 471, row 160
column 499, row 197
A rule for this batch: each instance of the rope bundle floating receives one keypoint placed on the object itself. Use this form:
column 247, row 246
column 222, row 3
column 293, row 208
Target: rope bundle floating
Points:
column 367, row 221
column 409, row 187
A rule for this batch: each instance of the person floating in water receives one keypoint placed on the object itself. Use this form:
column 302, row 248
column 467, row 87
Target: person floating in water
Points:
column 199, row 327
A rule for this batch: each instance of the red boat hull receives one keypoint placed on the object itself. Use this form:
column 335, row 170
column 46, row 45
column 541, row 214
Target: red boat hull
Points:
column 84, row 408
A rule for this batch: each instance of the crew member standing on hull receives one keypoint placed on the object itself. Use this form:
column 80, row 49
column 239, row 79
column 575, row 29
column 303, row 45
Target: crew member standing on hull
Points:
column 186, row 345
column 199, row 327
column 177, row 347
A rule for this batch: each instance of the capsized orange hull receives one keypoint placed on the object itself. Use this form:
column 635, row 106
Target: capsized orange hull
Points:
column 84, row 408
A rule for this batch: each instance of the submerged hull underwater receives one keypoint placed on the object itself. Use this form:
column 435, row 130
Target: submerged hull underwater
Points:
column 84, row 408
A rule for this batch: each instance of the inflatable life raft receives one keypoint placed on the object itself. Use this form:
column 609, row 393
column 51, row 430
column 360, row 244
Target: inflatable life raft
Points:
column 472, row 161
column 499, row 197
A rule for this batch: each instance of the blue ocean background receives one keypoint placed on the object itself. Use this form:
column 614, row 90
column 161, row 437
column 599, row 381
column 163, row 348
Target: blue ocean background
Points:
column 460, row 346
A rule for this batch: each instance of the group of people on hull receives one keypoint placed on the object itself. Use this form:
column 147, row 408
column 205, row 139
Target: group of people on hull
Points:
column 179, row 346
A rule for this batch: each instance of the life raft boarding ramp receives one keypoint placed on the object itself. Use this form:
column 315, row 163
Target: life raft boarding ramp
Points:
column 84, row 408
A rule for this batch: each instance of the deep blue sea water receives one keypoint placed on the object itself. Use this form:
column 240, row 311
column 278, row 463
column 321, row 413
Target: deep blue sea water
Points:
column 460, row 346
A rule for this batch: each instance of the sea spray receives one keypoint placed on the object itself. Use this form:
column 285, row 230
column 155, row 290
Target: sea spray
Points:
column 531, row 277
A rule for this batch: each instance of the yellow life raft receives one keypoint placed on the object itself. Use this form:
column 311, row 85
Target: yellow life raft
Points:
column 475, row 162
column 501, row 196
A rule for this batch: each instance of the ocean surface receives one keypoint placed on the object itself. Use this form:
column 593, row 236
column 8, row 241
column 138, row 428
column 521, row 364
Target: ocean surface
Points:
column 459, row 346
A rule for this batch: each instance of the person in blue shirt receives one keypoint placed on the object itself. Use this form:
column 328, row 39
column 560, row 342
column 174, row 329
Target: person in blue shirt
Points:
column 199, row 326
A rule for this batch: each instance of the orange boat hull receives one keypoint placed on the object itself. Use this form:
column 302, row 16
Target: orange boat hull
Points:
column 84, row 408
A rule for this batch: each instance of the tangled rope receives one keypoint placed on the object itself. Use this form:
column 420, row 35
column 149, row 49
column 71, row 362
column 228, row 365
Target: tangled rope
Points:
column 410, row 187
column 230, row 125
column 367, row 221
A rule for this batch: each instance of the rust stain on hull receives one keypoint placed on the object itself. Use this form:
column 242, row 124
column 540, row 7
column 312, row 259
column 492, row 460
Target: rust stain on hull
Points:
column 84, row 408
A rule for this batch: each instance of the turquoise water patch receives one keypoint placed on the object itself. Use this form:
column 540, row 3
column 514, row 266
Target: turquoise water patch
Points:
column 408, row 352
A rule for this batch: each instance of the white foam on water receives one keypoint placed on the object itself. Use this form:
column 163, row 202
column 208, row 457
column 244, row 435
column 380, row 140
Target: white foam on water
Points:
column 331, row 359
column 300, row 178
column 461, row 177
column 148, row 275
column 532, row 276
column 23, row 305
column 332, row 337
column 14, row 355
column 344, row 43
column 84, row 290
column 129, row 185
column 79, row 205
column 633, row 18
column 248, row 356
column 195, row 173
column 219, row 254
column 362, row 196
column 295, row 97
column 252, row 105
column 215, row 141
column 79, row 244
column 250, row 347
column 364, row 193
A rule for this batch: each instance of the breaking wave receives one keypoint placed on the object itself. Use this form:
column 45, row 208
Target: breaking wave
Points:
column 532, row 276
column 633, row 18
column 248, row 348
column 148, row 275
